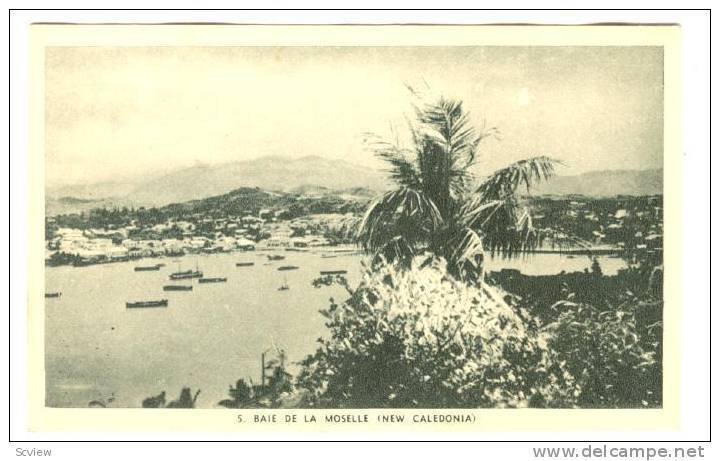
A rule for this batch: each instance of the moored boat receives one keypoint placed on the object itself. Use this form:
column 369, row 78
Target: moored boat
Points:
column 213, row 280
column 338, row 272
column 53, row 295
column 177, row 288
column 276, row 257
column 155, row 267
column 288, row 268
column 186, row 275
column 244, row 264
column 142, row 304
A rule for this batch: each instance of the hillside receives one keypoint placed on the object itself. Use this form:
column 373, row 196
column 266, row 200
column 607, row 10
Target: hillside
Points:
column 65, row 205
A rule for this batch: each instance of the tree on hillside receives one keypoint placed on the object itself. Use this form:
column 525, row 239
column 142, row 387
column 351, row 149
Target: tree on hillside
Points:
column 438, row 207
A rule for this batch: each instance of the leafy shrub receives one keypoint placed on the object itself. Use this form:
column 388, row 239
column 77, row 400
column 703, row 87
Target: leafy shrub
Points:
column 240, row 396
column 276, row 393
column 185, row 400
column 420, row 338
column 614, row 356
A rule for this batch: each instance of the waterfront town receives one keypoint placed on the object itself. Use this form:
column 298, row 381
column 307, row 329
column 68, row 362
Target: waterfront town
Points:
column 624, row 224
column 206, row 235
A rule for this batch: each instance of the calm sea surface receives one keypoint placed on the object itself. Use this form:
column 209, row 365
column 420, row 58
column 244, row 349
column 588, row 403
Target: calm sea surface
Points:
column 96, row 349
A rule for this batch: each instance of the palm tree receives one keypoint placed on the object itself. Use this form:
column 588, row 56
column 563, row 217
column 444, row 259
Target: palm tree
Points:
column 439, row 207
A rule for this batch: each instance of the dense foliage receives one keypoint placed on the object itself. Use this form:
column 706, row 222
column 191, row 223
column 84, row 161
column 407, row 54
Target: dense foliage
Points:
column 539, row 293
column 420, row 338
column 614, row 357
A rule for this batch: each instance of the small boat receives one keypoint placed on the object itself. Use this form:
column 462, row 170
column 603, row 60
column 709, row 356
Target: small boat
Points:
column 245, row 264
column 156, row 267
column 177, row 288
column 53, row 295
column 186, row 275
column 142, row 304
column 339, row 272
column 276, row 257
column 284, row 286
column 288, row 268
column 213, row 280
column 328, row 256
column 301, row 250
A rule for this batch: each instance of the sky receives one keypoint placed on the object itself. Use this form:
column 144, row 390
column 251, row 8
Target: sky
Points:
column 122, row 113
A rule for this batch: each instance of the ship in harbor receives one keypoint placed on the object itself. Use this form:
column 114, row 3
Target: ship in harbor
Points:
column 337, row 272
column 146, row 304
column 213, row 280
column 177, row 288
column 155, row 267
column 191, row 274
column 288, row 268
column 188, row 274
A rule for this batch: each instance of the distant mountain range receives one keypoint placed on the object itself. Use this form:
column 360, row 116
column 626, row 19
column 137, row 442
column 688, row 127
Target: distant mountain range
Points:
column 311, row 176
column 273, row 173
column 605, row 183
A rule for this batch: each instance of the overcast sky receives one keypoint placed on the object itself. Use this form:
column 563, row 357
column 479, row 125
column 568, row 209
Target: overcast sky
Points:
column 115, row 113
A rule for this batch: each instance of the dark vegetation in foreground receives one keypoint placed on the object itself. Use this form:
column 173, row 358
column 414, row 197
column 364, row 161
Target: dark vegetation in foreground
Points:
column 421, row 339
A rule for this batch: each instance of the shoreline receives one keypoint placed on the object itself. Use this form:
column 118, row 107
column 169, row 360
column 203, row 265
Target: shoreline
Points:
column 343, row 249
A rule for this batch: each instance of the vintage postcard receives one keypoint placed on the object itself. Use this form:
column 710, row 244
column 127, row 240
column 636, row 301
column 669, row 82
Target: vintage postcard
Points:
column 354, row 228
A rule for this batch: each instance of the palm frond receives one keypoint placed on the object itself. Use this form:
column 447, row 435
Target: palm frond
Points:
column 506, row 181
column 475, row 212
column 445, row 122
column 465, row 250
column 405, row 212
column 397, row 250
column 401, row 169
column 349, row 226
column 508, row 229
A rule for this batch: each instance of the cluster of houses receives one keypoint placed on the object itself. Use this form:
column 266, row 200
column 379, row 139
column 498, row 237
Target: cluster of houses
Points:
column 179, row 237
column 630, row 224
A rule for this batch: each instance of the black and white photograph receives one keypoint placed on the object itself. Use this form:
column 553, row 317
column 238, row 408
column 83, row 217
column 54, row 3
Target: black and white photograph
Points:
column 353, row 227
column 359, row 226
